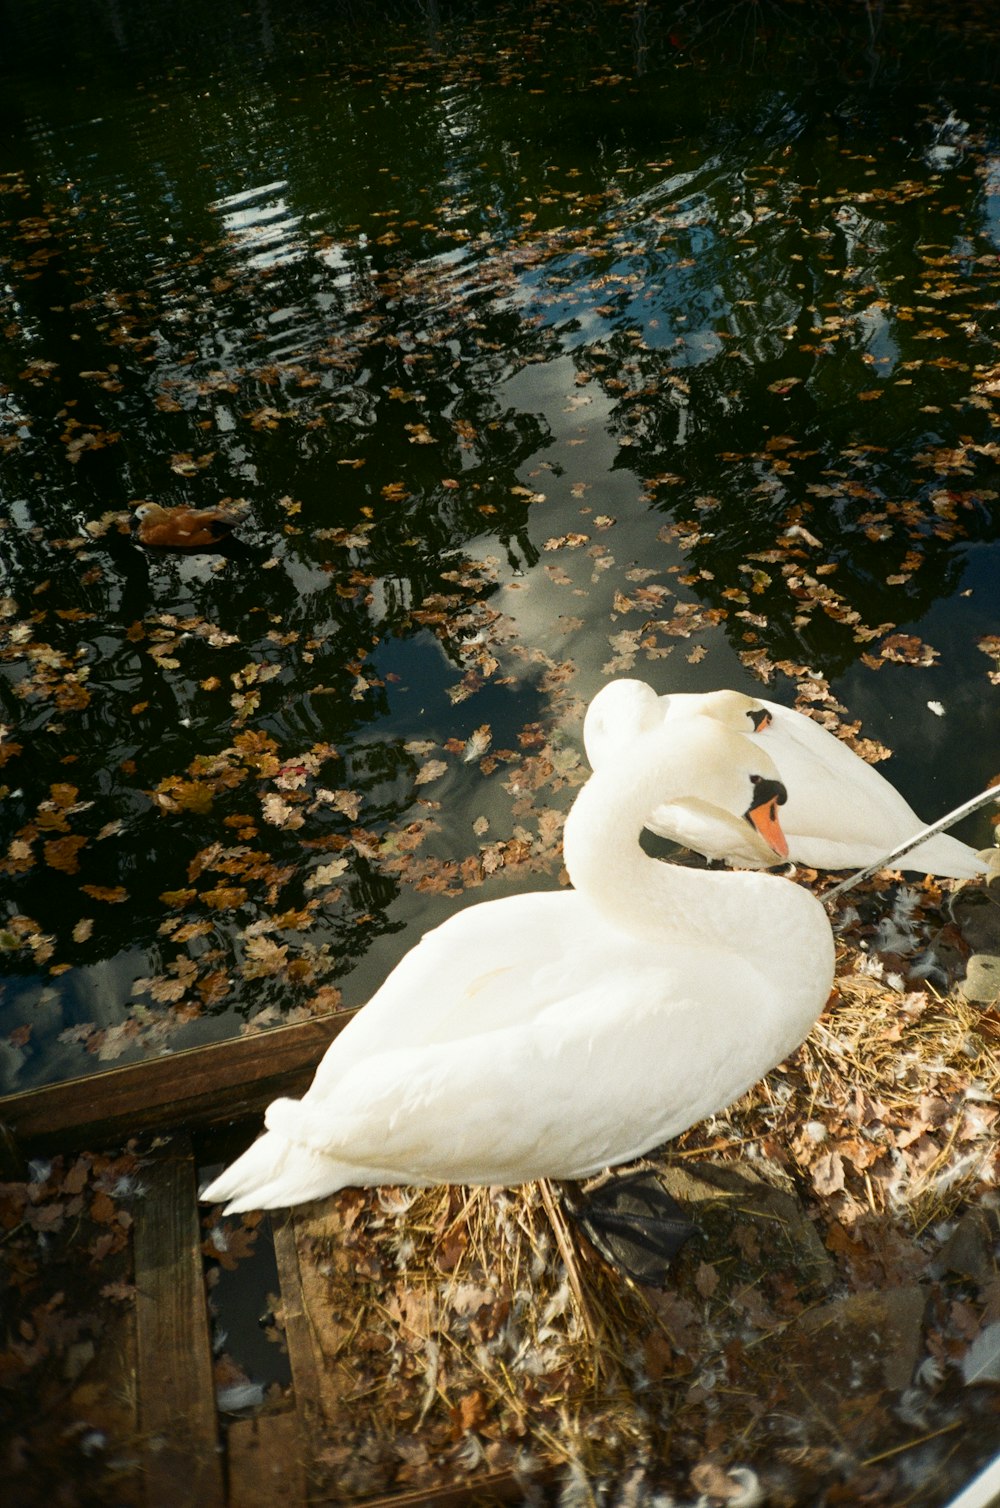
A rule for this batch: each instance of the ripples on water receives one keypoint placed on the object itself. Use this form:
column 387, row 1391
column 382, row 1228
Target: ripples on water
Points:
column 540, row 356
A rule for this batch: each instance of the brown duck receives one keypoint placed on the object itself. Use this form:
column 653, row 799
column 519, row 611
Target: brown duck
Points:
column 184, row 528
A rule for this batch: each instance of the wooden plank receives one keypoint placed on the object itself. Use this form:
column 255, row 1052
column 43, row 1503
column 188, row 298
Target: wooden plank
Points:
column 201, row 1086
column 177, row 1414
column 307, row 1379
column 266, row 1458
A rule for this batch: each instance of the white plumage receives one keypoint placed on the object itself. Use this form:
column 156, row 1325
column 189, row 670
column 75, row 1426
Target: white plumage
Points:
column 840, row 814
column 559, row 1032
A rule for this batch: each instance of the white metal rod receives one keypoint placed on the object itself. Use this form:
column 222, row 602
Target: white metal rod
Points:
column 983, row 1491
column 886, row 862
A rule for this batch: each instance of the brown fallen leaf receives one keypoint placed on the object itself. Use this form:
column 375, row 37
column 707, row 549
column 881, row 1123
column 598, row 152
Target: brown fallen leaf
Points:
column 61, row 853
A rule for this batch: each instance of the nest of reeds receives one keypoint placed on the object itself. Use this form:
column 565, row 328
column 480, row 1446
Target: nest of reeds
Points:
column 813, row 1340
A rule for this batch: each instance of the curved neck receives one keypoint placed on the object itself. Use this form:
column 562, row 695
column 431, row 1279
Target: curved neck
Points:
column 607, row 865
column 642, row 895
column 761, row 922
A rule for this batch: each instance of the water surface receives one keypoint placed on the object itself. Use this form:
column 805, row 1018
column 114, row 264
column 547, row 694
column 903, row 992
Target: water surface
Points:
column 545, row 344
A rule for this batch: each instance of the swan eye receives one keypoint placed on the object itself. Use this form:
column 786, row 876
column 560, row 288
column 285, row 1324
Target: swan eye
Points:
column 768, row 790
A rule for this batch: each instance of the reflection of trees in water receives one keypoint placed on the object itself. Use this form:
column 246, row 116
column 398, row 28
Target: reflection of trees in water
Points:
column 218, row 333
column 316, row 617
column 833, row 518
column 744, row 31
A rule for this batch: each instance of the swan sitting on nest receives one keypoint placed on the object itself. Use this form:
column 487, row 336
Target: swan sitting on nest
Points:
column 557, row 1033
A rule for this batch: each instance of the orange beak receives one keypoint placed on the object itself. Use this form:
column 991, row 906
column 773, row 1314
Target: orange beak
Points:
column 763, row 816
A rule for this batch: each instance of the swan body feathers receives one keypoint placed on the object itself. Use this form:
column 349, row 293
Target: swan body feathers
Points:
column 840, row 814
column 557, row 1033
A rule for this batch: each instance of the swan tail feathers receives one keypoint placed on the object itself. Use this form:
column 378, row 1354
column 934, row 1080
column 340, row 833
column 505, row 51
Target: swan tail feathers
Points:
column 947, row 856
column 276, row 1172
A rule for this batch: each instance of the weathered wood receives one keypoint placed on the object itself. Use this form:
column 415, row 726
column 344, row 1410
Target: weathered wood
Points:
column 177, row 1415
column 201, row 1086
column 266, row 1462
column 302, row 1356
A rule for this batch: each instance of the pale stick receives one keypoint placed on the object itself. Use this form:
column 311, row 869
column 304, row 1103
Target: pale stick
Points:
column 887, row 861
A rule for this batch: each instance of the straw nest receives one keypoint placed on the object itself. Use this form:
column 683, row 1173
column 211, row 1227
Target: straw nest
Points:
column 816, row 1337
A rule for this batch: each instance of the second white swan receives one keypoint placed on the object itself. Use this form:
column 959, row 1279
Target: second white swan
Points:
column 841, row 813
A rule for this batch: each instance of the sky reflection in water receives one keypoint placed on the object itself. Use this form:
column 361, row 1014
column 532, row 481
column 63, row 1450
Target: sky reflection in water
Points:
column 540, row 356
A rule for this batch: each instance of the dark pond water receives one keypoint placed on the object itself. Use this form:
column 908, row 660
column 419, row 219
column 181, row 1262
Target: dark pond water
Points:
column 545, row 343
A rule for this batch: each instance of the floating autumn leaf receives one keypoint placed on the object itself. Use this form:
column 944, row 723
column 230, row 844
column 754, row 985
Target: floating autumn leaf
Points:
column 170, row 987
column 869, row 749
column 990, row 645
column 178, row 897
column 268, row 418
column 566, row 542
column 61, row 853
column 295, row 919
column 325, row 874
column 112, row 894
column 214, row 986
column 175, row 794
column 229, row 1243
column 279, row 813
column 185, row 464
column 20, row 857
column 79, row 439
column 432, row 770
column 347, row 802
column 182, row 932
column 263, row 958
column 258, row 750
column 907, row 649
column 292, row 776
column 224, row 897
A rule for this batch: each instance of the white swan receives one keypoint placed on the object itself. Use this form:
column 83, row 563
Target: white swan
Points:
column 841, row 813
column 560, row 1032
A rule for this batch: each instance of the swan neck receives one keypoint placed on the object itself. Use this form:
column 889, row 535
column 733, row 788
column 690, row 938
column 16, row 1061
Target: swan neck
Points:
column 607, row 865
column 651, row 899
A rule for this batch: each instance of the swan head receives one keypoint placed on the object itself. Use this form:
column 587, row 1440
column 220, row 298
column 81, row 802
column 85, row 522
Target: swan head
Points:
column 619, row 711
column 627, row 707
column 712, row 777
column 734, row 709
column 733, row 784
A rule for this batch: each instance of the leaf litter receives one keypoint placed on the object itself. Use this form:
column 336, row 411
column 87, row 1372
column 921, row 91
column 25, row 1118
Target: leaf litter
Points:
column 831, row 1328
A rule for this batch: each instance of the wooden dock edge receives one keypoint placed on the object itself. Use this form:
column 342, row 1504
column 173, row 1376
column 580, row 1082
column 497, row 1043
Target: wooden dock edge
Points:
column 188, row 1090
column 176, row 1393
column 188, row 1456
